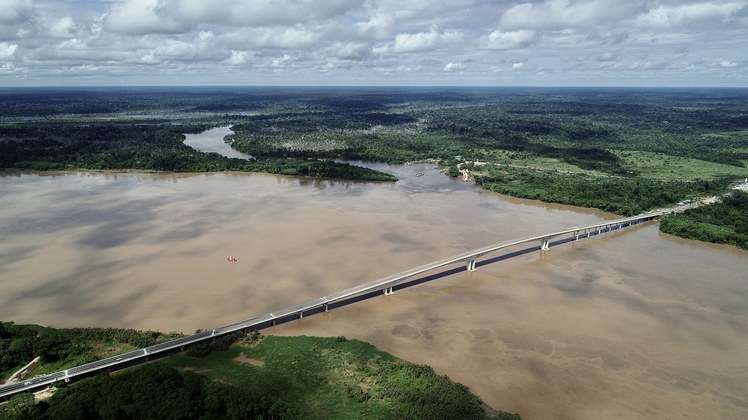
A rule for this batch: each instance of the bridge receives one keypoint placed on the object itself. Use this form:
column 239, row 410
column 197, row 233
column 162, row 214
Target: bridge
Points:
column 386, row 285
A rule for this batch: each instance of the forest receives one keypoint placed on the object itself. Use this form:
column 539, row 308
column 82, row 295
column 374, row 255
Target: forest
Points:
column 725, row 222
column 289, row 377
column 620, row 150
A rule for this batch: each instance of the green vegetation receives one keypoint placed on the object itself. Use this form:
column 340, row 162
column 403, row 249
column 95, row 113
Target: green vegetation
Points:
column 156, row 147
column 725, row 222
column 63, row 348
column 626, row 196
column 263, row 377
column 153, row 391
column 602, row 147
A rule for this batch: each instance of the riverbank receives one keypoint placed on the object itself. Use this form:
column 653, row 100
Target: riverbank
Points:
column 303, row 377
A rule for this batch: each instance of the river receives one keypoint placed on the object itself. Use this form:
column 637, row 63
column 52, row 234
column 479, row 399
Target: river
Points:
column 632, row 324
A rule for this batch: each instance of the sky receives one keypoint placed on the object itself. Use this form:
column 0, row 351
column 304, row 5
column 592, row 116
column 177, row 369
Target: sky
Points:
column 689, row 43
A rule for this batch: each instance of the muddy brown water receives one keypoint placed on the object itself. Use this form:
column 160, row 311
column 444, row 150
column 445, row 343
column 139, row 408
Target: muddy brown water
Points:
column 632, row 324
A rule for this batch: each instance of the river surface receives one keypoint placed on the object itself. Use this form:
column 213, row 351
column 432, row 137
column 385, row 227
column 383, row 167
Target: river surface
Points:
column 632, row 324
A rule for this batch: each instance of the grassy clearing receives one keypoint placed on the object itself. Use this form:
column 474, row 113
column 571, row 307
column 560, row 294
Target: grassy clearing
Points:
column 661, row 166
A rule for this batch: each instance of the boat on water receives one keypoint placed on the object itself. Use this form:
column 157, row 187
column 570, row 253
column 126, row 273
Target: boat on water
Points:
column 419, row 174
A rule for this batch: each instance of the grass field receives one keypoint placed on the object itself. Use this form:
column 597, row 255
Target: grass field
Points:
column 661, row 166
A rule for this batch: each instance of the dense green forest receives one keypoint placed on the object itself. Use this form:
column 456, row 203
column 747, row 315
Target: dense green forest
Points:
column 622, row 150
column 246, row 377
column 725, row 222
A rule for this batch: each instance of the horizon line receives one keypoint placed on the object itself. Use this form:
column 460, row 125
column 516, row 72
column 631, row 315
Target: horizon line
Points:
column 374, row 86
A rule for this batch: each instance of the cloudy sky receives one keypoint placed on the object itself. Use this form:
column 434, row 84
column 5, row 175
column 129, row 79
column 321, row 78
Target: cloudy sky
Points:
column 374, row 42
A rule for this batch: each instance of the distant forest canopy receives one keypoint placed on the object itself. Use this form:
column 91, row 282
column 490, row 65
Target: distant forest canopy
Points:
column 615, row 144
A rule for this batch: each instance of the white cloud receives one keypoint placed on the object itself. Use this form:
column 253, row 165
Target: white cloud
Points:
column 15, row 11
column 379, row 26
column 453, row 67
column 552, row 14
column 7, row 51
column 375, row 41
column 256, row 12
column 296, row 37
column 669, row 16
column 64, row 27
column 425, row 41
column 237, row 58
column 498, row 40
column 140, row 17
column 350, row 50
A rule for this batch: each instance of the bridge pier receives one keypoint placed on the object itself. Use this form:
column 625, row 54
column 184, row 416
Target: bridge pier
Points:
column 301, row 314
column 470, row 266
column 388, row 291
column 327, row 307
column 545, row 244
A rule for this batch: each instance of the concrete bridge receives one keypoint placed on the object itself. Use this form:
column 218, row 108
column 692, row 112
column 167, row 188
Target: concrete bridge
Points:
column 386, row 285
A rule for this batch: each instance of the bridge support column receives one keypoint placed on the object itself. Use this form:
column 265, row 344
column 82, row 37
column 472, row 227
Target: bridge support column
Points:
column 545, row 244
column 470, row 266
column 301, row 315
column 272, row 323
column 576, row 235
column 327, row 307
column 388, row 291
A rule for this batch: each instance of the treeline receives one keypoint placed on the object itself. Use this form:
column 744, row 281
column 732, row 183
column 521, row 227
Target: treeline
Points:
column 625, row 196
column 153, row 391
column 725, row 222
column 19, row 344
column 290, row 130
column 155, row 147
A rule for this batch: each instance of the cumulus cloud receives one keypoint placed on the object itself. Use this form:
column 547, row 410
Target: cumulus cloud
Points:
column 669, row 16
column 350, row 50
column 64, row 27
column 15, row 11
column 7, row 51
column 425, row 41
column 727, row 64
column 257, row 12
column 453, row 67
column 237, row 58
column 499, row 40
column 139, row 17
column 553, row 14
